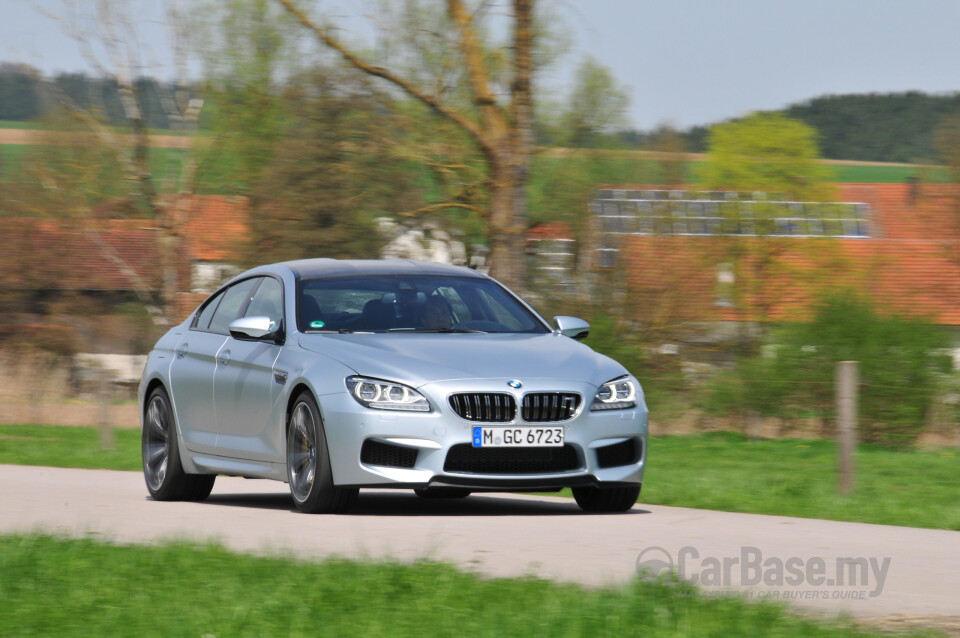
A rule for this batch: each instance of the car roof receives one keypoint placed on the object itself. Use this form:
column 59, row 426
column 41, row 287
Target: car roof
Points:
column 310, row 268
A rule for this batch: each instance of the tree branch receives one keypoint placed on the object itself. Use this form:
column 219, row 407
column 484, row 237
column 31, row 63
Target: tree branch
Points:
column 476, row 67
column 435, row 207
column 430, row 100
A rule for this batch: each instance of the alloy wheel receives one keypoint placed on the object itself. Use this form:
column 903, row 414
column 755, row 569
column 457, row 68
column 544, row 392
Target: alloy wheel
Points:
column 302, row 454
column 156, row 445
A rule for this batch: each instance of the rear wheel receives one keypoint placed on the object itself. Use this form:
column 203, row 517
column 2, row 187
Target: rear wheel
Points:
column 606, row 499
column 308, row 463
column 162, row 470
column 442, row 492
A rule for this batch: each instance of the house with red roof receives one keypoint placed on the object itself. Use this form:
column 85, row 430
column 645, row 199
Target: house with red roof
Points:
column 735, row 257
column 85, row 271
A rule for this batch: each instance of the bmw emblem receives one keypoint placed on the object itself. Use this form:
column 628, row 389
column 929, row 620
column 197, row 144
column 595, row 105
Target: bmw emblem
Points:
column 514, row 383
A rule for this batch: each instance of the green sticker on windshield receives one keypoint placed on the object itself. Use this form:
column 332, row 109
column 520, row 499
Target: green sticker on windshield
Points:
column 317, row 324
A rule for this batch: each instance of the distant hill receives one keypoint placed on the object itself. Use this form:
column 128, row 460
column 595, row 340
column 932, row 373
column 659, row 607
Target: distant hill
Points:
column 873, row 127
column 889, row 127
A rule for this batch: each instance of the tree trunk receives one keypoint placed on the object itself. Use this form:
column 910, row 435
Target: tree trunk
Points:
column 510, row 163
column 506, row 230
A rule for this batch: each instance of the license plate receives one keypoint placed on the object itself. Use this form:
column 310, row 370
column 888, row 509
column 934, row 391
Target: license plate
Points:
column 517, row 437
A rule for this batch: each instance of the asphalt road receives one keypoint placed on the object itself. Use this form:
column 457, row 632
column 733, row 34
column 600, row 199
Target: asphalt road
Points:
column 895, row 570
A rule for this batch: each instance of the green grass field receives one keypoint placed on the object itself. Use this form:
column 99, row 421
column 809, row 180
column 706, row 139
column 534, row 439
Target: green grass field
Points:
column 717, row 471
column 62, row 587
column 549, row 173
column 22, row 125
column 10, row 155
column 791, row 477
column 61, row 446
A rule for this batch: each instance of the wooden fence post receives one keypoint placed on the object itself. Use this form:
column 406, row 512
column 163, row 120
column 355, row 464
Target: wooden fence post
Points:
column 106, row 396
column 847, row 396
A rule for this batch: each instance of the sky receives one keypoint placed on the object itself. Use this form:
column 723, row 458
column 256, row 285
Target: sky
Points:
column 682, row 62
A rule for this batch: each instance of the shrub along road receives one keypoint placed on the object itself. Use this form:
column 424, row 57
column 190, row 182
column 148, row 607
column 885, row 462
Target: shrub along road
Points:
column 826, row 566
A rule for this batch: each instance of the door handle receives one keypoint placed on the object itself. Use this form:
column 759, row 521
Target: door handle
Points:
column 181, row 350
column 223, row 358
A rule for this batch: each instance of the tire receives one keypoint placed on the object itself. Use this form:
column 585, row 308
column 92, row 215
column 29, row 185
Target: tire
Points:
column 606, row 499
column 442, row 492
column 308, row 463
column 160, row 454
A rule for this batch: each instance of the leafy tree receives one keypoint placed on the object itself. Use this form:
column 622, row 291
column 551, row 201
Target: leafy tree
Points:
column 772, row 153
column 765, row 152
column 947, row 141
column 488, row 96
column 332, row 175
column 19, row 92
column 248, row 49
column 901, row 360
column 597, row 105
column 670, row 150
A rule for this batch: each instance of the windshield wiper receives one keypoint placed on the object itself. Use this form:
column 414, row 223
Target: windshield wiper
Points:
column 443, row 330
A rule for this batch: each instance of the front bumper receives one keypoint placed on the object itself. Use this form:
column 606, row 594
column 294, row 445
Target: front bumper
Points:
column 418, row 449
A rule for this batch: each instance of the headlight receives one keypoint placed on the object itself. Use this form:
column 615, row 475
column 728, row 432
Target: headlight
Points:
column 385, row 395
column 619, row 394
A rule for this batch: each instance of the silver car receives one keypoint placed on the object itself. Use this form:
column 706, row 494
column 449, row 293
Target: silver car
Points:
column 335, row 375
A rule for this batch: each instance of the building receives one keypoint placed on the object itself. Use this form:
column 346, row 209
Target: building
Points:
column 728, row 257
column 84, row 281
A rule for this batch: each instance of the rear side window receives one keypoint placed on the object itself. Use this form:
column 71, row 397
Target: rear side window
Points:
column 234, row 299
column 203, row 321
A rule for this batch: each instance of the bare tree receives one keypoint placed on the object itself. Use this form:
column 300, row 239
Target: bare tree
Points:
column 502, row 132
column 110, row 42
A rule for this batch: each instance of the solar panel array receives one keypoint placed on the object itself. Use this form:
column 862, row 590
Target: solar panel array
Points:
column 662, row 212
column 719, row 213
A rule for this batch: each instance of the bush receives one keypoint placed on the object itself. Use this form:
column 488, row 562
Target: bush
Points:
column 902, row 360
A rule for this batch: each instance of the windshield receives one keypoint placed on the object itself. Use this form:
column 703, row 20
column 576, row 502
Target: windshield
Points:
column 410, row 303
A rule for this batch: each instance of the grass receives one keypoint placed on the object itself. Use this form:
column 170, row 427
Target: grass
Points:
column 10, row 156
column 63, row 587
column 214, row 172
column 791, row 477
column 21, row 124
column 716, row 471
column 67, row 446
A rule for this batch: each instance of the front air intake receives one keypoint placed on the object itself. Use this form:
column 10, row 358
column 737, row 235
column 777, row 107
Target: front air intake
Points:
column 379, row 453
column 465, row 458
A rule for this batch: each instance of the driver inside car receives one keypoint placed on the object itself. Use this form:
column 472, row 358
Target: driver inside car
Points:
column 436, row 314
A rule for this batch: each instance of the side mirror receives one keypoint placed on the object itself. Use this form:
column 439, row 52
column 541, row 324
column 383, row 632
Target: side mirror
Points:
column 252, row 328
column 571, row 327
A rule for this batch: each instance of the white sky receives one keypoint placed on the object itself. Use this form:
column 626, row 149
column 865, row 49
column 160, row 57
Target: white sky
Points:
column 684, row 61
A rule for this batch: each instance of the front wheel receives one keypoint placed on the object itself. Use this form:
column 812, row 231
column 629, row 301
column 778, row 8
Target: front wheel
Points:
column 162, row 470
column 606, row 499
column 308, row 463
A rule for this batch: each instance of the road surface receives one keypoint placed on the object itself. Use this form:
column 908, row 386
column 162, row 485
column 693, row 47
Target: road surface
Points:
column 890, row 571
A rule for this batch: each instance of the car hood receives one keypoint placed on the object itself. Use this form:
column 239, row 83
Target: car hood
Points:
column 418, row 359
